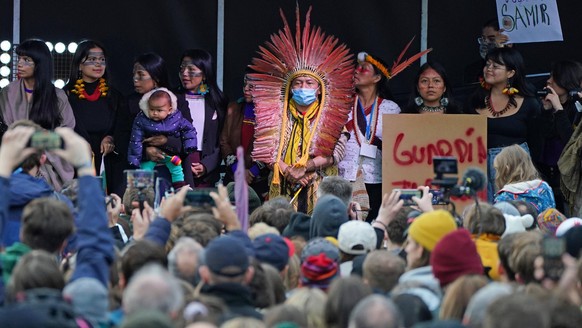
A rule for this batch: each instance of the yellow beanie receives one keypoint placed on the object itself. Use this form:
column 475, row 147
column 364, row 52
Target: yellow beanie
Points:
column 429, row 228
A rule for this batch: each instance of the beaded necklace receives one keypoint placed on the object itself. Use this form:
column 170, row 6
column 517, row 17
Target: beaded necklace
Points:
column 432, row 109
column 100, row 91
column 492, row 110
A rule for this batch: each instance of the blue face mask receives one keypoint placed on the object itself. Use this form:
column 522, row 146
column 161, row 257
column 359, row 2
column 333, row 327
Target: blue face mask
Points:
column 304, row 97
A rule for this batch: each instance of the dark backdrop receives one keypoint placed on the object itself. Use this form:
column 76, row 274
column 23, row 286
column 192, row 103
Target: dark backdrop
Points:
column 381, row 27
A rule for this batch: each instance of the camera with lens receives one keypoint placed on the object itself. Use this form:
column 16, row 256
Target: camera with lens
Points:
column 445, row 170
column 46, row 140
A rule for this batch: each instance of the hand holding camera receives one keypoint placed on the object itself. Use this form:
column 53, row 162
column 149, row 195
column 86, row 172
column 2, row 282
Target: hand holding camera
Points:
column 391, row 204
column 76, row 151
column 14, row 149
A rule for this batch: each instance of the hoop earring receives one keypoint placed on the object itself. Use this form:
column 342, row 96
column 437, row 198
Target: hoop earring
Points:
column 444, row 101
column 418, row 101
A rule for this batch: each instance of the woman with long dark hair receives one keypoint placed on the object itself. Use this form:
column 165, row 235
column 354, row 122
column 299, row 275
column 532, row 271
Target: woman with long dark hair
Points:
column 511, row 109
column 96, row 106
column 561, row 117
column 207, row 107
column 33, row 97
column 364, row 147
column 150, row 72
column 432, row 92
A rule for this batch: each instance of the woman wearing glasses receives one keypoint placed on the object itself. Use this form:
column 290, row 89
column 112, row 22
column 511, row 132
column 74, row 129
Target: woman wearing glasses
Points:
column 150, row 72
column 33, row 97
column 511, row 109
column 207, row 107
column 96, row 107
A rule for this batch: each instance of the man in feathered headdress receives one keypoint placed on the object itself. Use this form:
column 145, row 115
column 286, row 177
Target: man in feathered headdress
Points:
column 303, row 93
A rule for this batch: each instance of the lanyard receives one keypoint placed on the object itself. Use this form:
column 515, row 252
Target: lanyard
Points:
column 369, row 124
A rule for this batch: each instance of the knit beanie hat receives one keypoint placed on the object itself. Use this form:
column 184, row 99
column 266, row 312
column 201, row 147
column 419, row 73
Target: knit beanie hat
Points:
column 298, row 226
column 430, row 227
column 320, row 245
column 549, row 220
column 318, row 271
column 455, row 255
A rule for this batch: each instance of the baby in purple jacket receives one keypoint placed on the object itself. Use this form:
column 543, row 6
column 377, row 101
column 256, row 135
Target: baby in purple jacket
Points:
column 160, row 116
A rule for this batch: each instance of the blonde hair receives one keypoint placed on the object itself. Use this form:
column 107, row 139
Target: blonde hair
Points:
column 458, row 295
column 291, row 279
column 512, row 165
column 312, row 302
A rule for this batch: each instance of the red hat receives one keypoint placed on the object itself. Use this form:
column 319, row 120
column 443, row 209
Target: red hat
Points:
column 455, row 255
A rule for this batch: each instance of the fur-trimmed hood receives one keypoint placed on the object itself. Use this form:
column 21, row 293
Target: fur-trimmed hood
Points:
column 143, row 103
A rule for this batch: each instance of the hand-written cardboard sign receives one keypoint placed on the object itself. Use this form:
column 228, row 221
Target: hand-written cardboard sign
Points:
column 410, row 141
column 530, row 20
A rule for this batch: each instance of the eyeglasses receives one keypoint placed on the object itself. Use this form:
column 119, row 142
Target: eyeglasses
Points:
column 494, row 66
column 485, row 40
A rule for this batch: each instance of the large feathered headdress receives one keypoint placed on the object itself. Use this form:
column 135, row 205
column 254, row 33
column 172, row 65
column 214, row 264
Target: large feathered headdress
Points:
column 285, row 57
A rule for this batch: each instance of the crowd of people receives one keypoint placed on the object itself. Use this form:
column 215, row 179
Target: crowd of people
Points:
column 310, row 125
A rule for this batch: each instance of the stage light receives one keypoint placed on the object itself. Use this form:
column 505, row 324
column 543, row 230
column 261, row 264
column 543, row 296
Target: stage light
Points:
column 5, row 58
column 5, row 45
column 72, row 47
column 59, row 83
column 60, row 47
column 49, row 45
column 4, row 82
column 4, row 71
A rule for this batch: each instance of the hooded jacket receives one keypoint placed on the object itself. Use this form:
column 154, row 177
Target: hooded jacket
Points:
column 536, row 192
column 328, row 215
column 174, row 125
